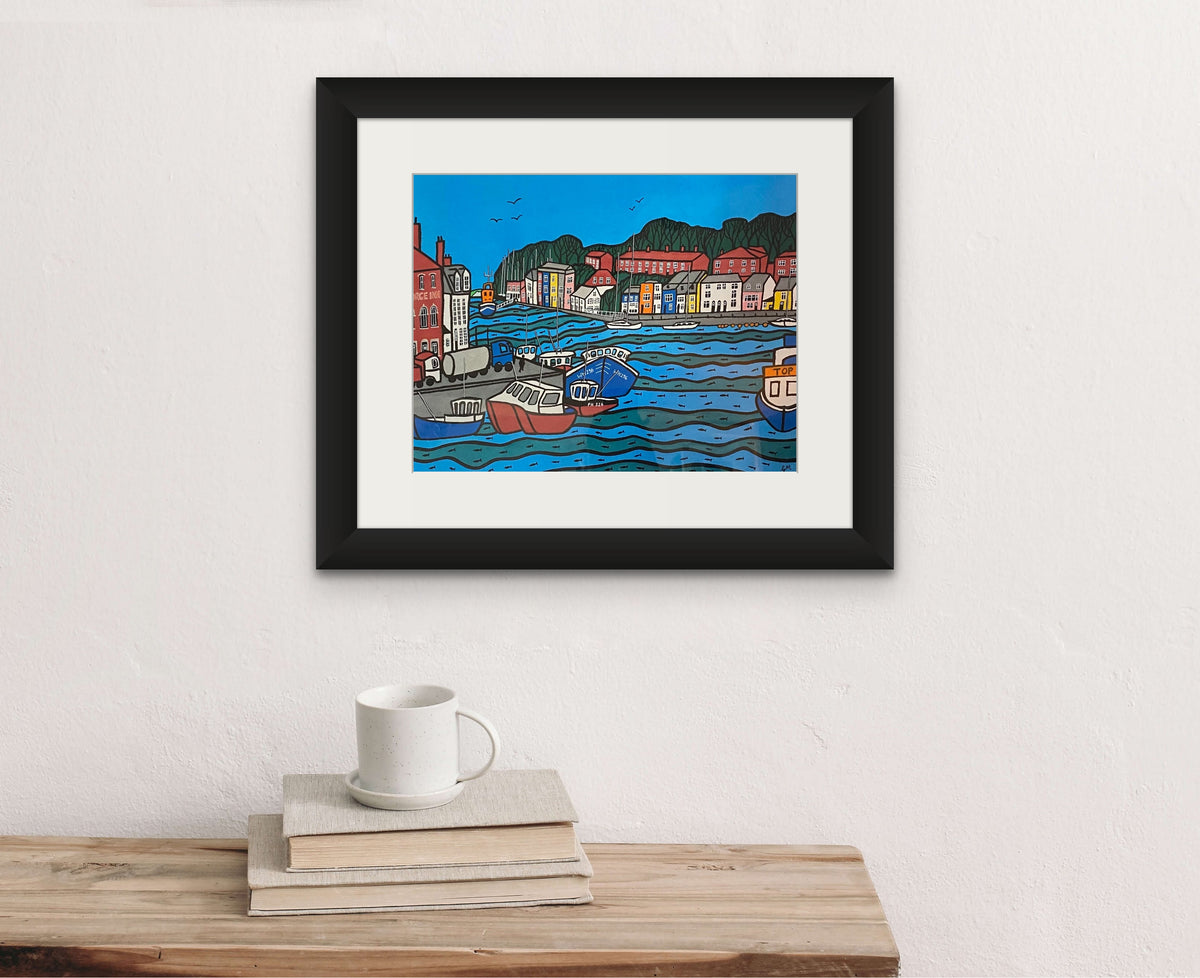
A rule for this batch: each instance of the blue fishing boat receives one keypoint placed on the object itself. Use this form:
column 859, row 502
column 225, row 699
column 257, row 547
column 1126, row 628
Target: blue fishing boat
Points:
column 606, row 367
column 465, row 418
column 777, row 400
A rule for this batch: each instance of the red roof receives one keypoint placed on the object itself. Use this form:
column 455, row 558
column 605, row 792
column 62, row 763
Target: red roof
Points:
column 752, row 252
column 663, row 255
column 422, row 262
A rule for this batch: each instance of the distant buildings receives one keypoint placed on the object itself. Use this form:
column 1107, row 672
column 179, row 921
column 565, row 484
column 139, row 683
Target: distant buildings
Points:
column 785, row 294
column 515, row 290
column 555, row 283
column 456, row 306
column 755, row 289
column 602, row 278
column 742, row 262
column 721, row 293
column 586, row 299
column 784, row 265
column 662, row 262
column 686, row 286
column 599, row 259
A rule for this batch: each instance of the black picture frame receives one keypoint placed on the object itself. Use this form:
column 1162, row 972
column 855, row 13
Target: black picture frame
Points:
column 342, row 543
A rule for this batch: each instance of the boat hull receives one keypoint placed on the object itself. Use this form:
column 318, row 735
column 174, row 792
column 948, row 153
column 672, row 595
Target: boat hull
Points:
column 430, row 428
column 487, row 309
column 508, row 419
column 781, row 419
column 435, row 400
column 589, row 409
column 612, row 377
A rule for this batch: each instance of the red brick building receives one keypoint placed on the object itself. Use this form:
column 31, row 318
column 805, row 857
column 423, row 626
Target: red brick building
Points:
column 785, row 265
column 427, row 300
column 600, row 277
column 599, row 259
column 662, row 262
column 742, row 262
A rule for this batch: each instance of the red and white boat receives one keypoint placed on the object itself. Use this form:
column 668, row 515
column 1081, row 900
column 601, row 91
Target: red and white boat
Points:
column 584, row 397
column 530, row 406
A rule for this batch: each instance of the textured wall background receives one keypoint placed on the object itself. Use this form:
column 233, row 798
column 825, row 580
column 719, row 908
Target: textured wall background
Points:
column 1006, row 725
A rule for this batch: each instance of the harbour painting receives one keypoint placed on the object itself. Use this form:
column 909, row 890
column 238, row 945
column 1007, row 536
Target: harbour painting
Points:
column 604, row 323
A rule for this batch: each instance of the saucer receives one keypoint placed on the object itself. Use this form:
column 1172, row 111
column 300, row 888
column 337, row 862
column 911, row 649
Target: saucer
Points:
column 400, row 803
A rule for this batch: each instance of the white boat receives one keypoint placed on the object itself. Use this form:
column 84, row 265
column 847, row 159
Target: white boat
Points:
column 526, row 352
column 624, row 324
column 556, row 358
column 690, row 324
column 784, row 322
column 616, row 352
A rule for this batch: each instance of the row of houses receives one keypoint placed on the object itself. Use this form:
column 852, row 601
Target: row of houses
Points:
column 742, row 279
column 441, row 302
column 697, row 292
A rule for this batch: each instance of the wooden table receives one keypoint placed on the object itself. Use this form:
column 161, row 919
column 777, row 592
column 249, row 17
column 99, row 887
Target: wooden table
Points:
column 178, row 906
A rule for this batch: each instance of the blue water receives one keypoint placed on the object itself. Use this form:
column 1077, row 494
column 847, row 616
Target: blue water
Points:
column 692, row 408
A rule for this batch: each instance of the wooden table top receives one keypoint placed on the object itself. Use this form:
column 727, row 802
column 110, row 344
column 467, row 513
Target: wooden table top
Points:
column 178, row 906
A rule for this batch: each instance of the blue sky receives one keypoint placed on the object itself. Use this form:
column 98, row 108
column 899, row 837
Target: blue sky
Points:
column 593, row 208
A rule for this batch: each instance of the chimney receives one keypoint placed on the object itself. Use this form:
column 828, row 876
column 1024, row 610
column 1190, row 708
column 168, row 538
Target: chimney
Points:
column 441, row 250
column 416, row 234
column 449, row 260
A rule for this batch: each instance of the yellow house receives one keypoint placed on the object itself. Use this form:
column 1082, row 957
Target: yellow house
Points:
column 785, row 293
column 554, row 289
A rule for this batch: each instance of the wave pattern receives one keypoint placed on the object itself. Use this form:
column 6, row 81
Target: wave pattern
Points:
column 692, row 408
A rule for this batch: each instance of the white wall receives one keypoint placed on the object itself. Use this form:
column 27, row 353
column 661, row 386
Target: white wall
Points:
column 1006, row 725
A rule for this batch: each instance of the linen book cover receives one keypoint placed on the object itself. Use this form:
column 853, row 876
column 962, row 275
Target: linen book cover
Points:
column 507, row 816
column 274, row 890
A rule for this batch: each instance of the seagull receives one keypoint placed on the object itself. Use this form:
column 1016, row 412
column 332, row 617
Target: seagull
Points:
column 517, row 218
column 640, row 199
column 514, row 201
column 496, row 219
column 634, row 207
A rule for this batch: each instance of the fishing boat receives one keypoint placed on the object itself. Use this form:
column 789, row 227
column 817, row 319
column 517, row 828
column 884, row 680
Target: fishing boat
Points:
column 584, row 397
column 465, row 418
column 607, row 368
column 556, row 358
column 487, row 300
column 777, row 400
column 690, row 324
column 527, row 351
column 532, row 407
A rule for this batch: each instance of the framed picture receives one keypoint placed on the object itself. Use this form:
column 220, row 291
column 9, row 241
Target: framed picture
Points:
column 604, row 323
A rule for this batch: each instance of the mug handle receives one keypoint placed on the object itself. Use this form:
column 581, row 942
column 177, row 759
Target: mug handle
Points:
column 492, row 735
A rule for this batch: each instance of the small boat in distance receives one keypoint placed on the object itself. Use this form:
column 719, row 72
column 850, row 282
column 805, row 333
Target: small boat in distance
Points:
column 526, row 352
column 532, row 407
column 788, row 323
column 690, row 324
column 624, row 324
column 465, row 418
column 487, row 300
column 584, row 397
column 776, row 401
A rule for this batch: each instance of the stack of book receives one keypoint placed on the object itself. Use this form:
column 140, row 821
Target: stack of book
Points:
column 507, row 841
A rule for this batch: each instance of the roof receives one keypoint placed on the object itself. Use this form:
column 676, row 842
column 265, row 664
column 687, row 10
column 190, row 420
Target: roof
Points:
column 686, row 278
column 752, row 252
column 788, row 282
column 664, row 255
column 785, row 254
column 583, row 293
column 727, row 277
column 554, row 266
column 422, row 262
column 757, row 281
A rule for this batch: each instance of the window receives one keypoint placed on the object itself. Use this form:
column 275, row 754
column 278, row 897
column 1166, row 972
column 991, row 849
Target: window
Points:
column 774, row 388
column 433, row 347
column 526, row 394
column 424, row 346
column 791, row 388
column 420, row 281
column 550, row 398
column 433, row 317
column 414, row 348
column 424, row 318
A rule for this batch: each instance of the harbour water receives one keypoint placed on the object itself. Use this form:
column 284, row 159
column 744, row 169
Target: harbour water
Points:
column 692, row 408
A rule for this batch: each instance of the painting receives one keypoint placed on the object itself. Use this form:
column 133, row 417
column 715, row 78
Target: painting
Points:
column 604, row 323
column 562, row 324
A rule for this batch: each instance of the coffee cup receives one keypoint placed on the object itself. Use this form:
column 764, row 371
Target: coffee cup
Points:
column 408, row 747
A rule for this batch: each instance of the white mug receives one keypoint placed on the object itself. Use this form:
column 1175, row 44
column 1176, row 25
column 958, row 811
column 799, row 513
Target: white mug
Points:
column 408, row 746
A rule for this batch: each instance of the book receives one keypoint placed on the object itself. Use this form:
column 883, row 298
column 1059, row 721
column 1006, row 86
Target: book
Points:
column 505, row 816
column 275, row 891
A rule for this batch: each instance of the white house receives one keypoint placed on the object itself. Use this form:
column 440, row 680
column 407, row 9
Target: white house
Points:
column 721, row 293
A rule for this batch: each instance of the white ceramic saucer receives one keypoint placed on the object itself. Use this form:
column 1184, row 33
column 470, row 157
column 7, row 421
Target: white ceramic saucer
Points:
column 400, row 803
